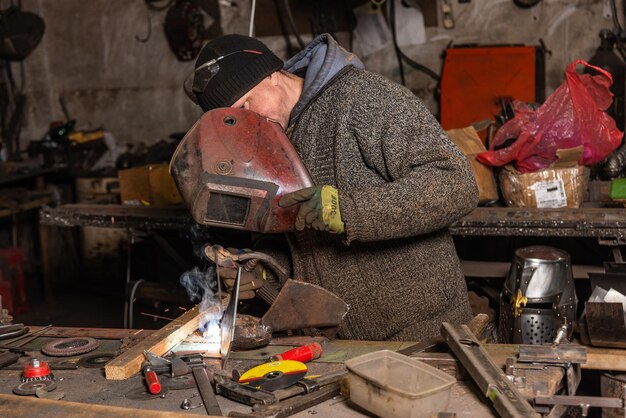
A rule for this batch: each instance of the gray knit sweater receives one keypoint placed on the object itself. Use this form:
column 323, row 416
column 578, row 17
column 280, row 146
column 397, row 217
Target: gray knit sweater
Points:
column 401, row 183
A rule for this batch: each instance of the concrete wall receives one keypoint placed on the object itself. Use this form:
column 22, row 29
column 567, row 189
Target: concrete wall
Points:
column 89, row 55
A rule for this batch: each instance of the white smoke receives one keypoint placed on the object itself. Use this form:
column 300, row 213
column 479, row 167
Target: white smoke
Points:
column 198, row 285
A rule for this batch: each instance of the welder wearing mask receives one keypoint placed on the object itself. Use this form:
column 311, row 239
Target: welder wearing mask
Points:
column 374, row 230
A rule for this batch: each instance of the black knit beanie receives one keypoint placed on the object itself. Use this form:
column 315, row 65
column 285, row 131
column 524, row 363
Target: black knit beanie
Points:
column 238, row 73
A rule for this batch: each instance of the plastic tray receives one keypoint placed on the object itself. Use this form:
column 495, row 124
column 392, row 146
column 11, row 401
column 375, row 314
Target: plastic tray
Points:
column 393, row 385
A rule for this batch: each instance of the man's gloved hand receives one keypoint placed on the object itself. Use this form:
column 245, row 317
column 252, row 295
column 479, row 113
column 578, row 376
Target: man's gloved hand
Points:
column 250, row 280
column 319, row 208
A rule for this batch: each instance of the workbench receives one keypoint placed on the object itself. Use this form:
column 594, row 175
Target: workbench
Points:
column 88, row 393
column 89, row 389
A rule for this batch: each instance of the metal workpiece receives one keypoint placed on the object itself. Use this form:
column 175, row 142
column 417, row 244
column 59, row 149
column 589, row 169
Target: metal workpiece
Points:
column 206, row 391
column 584, row 402
column 489, row 378
column 538, row 297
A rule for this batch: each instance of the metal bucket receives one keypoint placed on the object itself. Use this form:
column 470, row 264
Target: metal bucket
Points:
column 538, row 296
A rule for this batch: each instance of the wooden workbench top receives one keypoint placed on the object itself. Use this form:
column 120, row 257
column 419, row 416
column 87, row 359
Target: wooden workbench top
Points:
column 104, row 398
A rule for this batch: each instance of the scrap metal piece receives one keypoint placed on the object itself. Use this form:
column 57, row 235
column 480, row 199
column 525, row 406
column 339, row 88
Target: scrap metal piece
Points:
column 70, row 346
column 242, row 393
column 30, row 387
column 14, row 333
column 228, row 319
column 570, row 353
column 206, row 391
column 179, row 367
column 584, row 402
column 54, row 395
column 156, row 361
column 304, row 305
column 503, row 394
column 96, row 361
column 179, row 382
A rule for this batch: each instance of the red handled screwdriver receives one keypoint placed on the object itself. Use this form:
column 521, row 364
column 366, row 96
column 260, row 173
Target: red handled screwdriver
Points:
column 302, row 354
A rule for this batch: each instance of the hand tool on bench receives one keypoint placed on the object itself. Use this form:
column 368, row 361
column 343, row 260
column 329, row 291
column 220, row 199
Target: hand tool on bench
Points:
column 304, row 353
column 225, row 386
column 489, row 378
column 150, row 367
column 292, row 405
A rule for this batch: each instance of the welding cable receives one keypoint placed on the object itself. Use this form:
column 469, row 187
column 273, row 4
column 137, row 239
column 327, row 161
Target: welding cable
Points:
column 617, row 27
column 283, row 29
column 252, row 11
column 401, row 55
column 292, row 22
column 128, row 308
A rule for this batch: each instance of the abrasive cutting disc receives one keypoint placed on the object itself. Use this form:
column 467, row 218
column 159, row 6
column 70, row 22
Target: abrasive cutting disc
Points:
column 31, row 387
column 275, row 375
column 66, row 347
column 96, row 360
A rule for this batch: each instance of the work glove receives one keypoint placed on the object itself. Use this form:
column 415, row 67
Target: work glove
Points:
column 319, row 208
column 252, row 273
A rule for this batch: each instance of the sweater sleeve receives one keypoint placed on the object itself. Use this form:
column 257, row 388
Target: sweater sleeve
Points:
column 426, row 182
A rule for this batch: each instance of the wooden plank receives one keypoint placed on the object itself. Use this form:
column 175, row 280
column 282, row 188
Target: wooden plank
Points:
column 159, row 342
column 29, row 406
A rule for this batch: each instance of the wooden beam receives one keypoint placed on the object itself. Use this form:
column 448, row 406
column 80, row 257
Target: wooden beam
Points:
column 159, row 342
column 29, row 406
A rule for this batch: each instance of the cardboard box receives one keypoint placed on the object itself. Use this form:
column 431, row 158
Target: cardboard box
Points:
column 148, row 185
column 469, row 143
column 564, row 184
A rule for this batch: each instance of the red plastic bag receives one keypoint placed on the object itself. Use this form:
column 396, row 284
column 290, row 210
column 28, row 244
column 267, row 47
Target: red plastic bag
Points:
column 573, row 115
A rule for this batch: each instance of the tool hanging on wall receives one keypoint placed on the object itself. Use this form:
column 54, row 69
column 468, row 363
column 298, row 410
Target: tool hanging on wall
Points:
column 188, row 23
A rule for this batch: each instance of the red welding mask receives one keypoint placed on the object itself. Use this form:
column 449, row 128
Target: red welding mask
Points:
column 233, row 166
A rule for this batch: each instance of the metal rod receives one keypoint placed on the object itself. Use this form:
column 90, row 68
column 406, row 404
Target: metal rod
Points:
column 29, row 337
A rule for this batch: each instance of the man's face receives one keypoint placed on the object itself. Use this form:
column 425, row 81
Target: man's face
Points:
column 267, row 99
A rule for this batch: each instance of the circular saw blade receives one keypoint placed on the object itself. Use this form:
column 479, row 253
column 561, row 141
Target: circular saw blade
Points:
column 275, row 375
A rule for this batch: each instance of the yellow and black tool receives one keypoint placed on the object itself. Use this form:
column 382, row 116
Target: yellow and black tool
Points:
column 275, row 375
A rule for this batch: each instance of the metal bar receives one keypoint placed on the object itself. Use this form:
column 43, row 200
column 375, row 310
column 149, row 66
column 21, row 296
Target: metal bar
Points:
column 206, row 391
column 588, row 401
column 26, row 338
column 491, row 380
